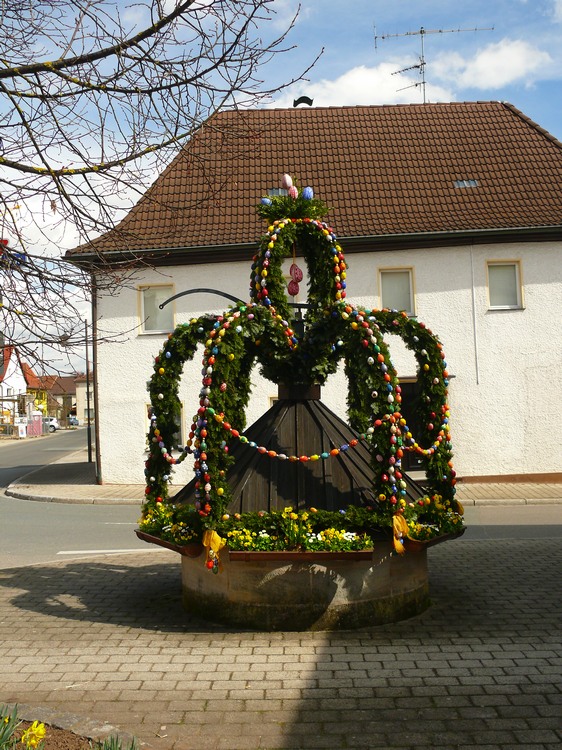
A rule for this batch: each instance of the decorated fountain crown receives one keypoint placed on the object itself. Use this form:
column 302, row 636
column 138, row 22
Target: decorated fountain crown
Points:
column 263, row 331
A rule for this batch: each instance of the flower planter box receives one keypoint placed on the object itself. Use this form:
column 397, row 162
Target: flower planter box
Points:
column 187, row 550
column 295, row 556
column 418, row 545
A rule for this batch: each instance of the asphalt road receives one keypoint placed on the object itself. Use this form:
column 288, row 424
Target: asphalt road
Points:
column 19, row 457
column 34, row 532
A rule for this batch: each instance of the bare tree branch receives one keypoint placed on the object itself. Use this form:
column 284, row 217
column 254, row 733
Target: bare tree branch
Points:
column 96, row 96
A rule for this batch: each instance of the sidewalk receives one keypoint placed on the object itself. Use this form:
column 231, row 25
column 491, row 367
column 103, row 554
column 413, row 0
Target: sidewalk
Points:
column 72, row 480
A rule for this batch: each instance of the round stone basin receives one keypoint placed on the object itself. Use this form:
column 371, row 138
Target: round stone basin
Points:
column 307, row 591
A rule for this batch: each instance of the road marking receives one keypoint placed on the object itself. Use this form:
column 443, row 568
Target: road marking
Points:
column 103, row 551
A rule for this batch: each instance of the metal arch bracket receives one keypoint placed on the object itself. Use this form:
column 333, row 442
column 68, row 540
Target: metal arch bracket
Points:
column 204, row 290
column 226, row 295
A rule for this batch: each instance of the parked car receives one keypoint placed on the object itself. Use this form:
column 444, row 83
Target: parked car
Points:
column 53, row 424
column 73, row 421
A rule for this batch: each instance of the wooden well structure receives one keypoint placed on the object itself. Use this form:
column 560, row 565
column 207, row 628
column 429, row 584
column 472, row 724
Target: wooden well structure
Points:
column 299, row 424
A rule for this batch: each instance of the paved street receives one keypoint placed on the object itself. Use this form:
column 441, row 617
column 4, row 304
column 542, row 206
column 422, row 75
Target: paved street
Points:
column 105, row 640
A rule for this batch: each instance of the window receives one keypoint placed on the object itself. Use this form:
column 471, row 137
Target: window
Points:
column 396, row 289
column 154, row 319
column 277, row 191
column 504, row 286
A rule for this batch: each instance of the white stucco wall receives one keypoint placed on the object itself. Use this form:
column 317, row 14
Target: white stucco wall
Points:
column 506, row 365
column 13, row 383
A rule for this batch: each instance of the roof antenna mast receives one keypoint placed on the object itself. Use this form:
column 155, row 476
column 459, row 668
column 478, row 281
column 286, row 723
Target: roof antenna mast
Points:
column 421, row 32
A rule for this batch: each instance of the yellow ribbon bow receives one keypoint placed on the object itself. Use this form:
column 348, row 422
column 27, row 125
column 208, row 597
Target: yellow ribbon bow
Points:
column 213, row 544
column 400, row 528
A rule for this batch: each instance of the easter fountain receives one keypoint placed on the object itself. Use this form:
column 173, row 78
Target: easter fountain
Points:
column 307, row 521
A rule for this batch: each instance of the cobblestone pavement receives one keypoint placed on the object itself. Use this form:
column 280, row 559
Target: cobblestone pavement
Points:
column 106, row 640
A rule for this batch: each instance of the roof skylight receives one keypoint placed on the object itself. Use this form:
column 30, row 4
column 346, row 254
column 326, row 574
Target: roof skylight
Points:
column 466, row 183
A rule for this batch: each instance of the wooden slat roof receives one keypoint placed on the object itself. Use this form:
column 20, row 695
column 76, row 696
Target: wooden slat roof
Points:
column 382, row 170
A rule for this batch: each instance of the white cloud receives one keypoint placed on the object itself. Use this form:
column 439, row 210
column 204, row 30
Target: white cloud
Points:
column 557, row 10
column 362, row 86
column 495, row 66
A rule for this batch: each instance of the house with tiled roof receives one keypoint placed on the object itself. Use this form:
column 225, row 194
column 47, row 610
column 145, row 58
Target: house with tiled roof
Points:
column 62, row 397
column 451, row 212
column 22, row 392
column 12, row 384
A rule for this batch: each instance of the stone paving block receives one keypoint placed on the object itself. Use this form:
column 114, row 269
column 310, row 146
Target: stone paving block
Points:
column 364, row 740
column 490, row 700
column 323, row 742
column 537, row 736
column 247, row 694
column 462, row 690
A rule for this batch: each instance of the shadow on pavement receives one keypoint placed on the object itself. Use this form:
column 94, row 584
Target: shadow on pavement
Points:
column 77, row 472
column 480, row 668
column 144, row 596
column 472, row 583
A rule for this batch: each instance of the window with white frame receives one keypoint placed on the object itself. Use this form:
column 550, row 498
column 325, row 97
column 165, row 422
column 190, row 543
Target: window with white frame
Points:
column 504, row 285
column 154, row 319
column 396, row 289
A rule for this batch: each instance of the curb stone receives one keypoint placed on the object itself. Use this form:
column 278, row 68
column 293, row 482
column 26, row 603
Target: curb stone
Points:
column 22, row 494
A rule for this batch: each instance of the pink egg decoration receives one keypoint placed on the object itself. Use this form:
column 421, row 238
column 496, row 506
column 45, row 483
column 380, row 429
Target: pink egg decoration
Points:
column 286, row 181
column 293, row 192
column 293, row 288
column 295, row 272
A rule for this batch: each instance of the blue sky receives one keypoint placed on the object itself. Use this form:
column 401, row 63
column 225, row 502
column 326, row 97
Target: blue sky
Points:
column 520, row 61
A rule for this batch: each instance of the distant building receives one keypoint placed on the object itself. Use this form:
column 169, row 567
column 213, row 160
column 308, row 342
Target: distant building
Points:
column 24, row 393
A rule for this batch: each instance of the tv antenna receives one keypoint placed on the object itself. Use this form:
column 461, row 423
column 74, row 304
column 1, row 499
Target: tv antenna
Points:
column 421, row 32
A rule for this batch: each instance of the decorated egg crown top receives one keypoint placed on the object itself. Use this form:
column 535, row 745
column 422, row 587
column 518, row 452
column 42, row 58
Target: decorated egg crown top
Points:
column 295, row 204
column 289, row 216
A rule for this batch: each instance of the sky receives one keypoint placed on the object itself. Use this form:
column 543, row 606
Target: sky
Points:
column 366, row 42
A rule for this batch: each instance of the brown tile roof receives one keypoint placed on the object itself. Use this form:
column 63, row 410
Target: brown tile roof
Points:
column 55, row 384
column 37, row 382
column 383, row 170
column 64, row 385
